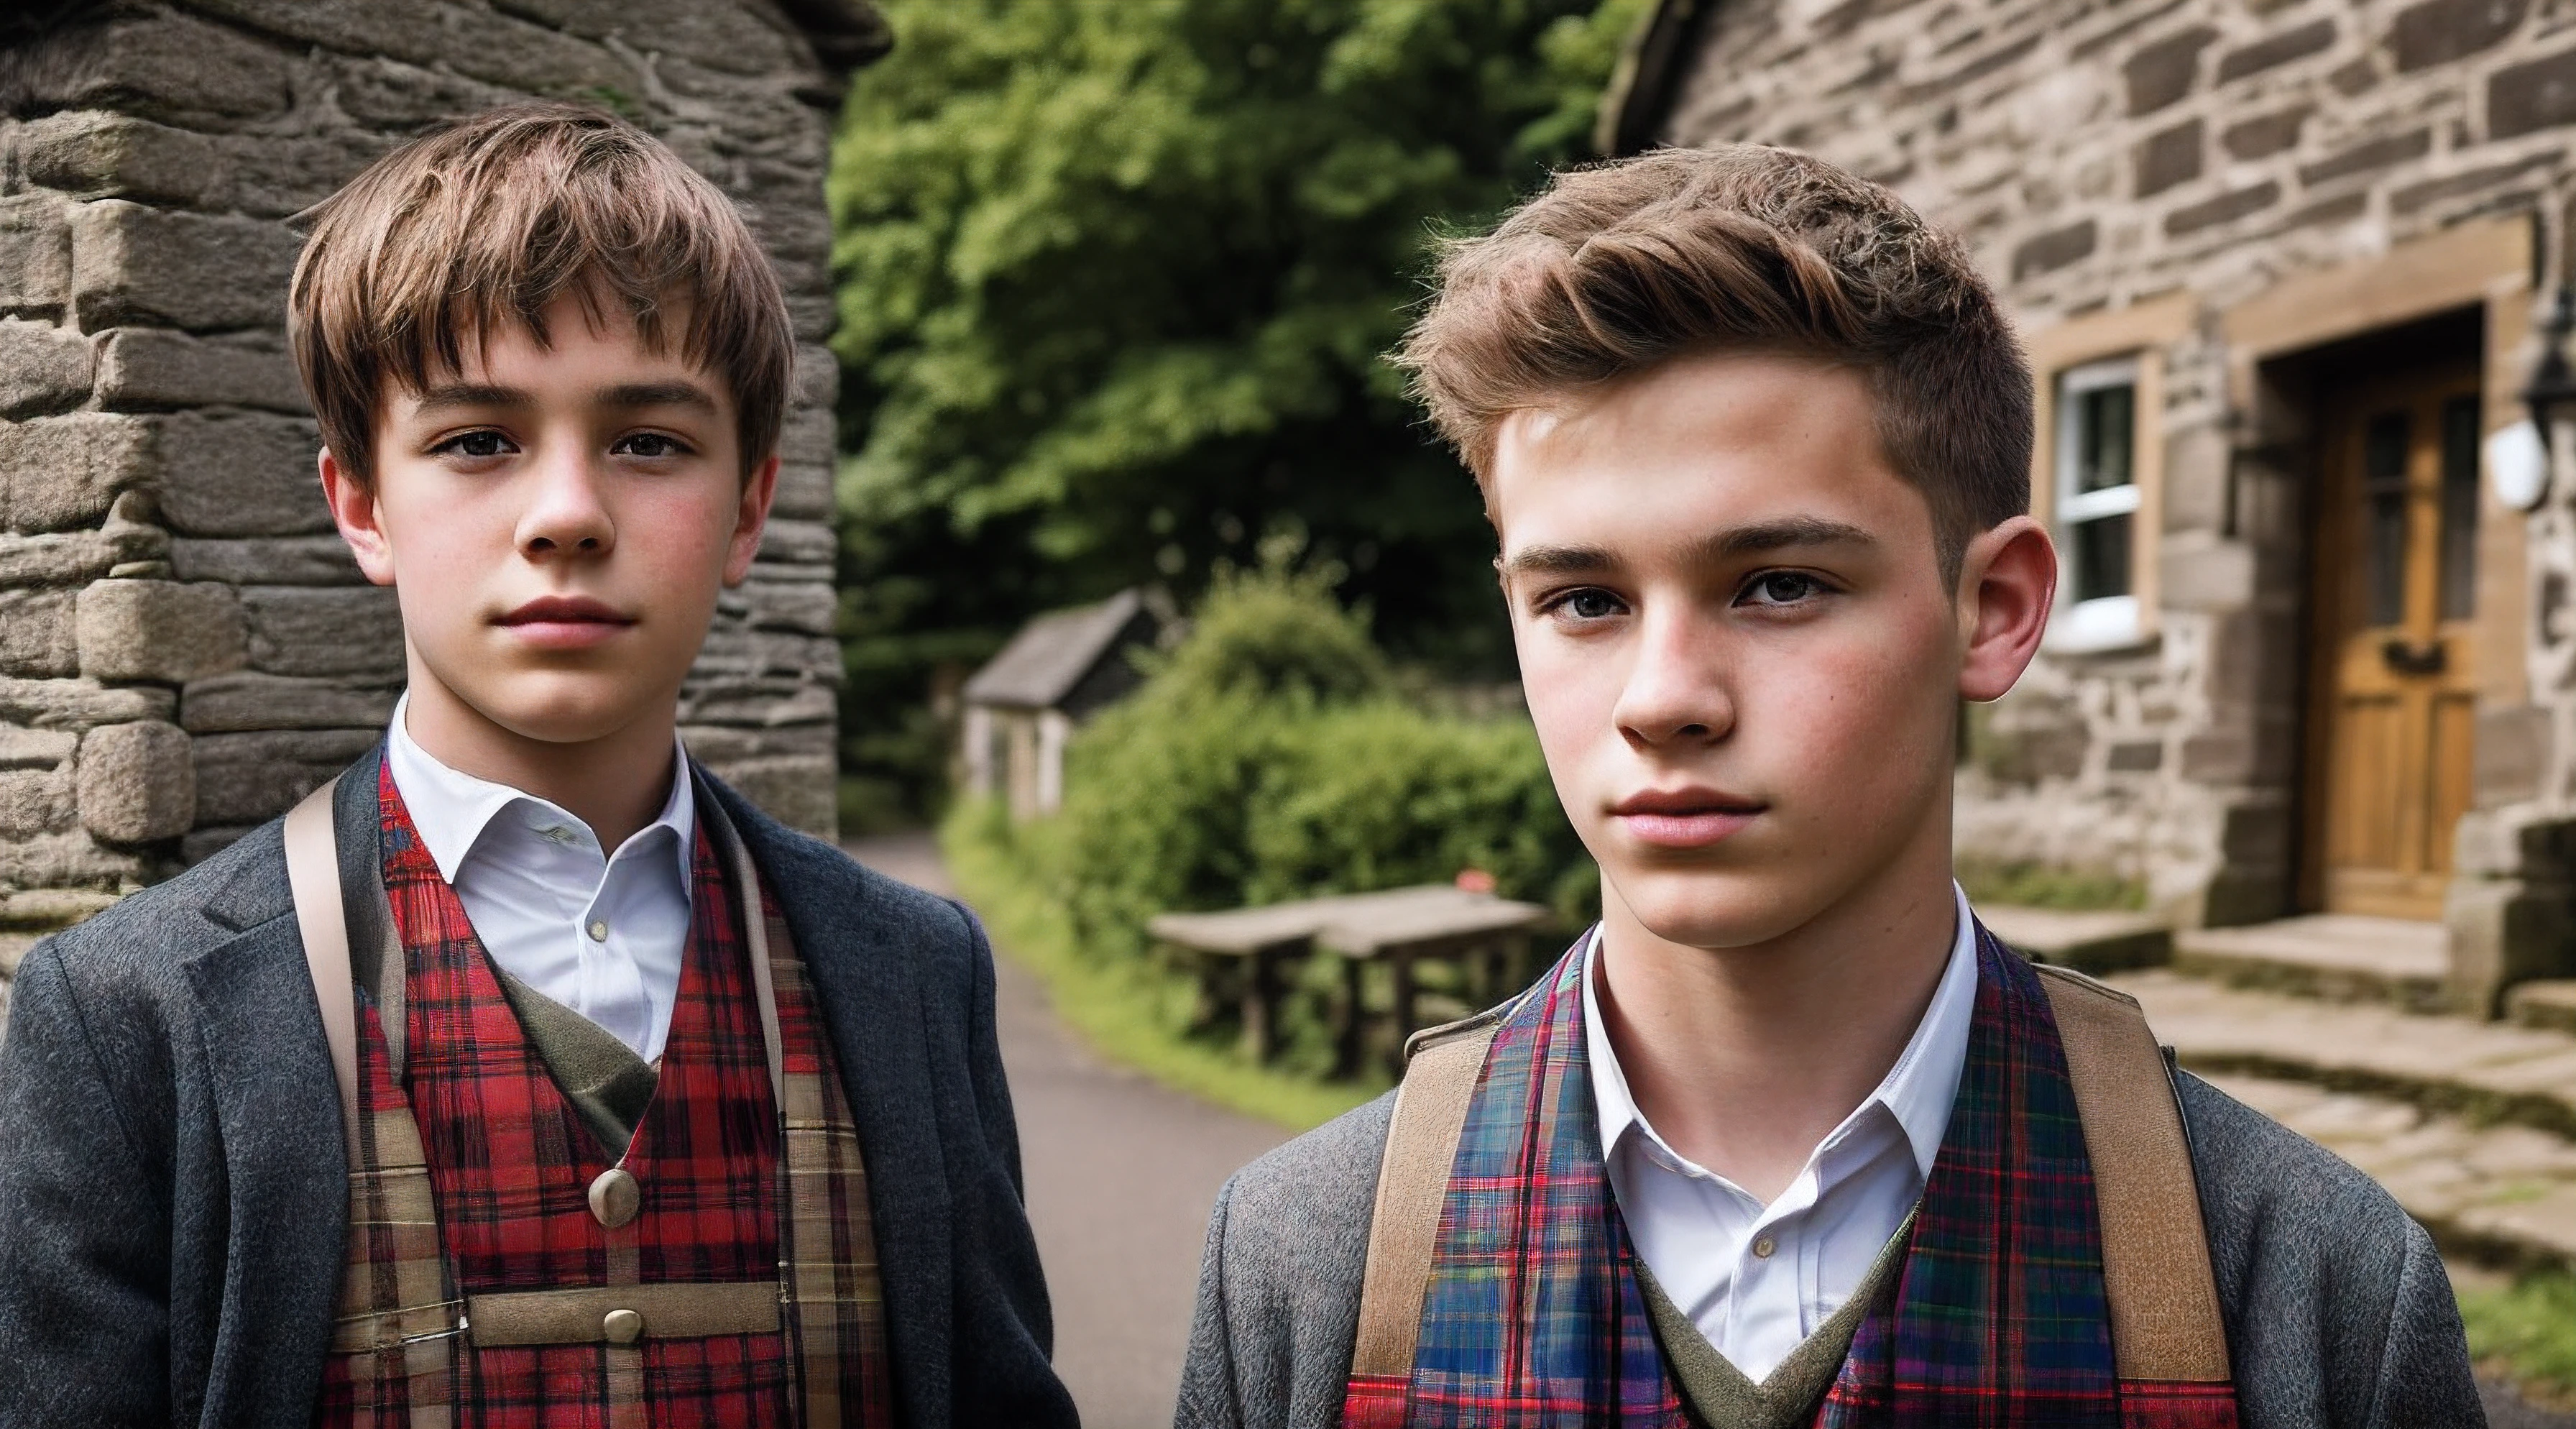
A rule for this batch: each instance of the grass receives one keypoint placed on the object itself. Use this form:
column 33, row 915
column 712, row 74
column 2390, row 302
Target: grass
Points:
column 1126, row 1012
column 2528, row 1328
column 2039, row 885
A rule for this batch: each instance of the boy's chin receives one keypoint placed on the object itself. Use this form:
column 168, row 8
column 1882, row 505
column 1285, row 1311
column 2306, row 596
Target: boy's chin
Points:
column 1706, row 909
column 557, row 709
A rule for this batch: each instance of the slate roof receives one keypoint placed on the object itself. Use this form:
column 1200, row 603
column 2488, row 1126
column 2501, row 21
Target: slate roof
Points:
column 1053, row 652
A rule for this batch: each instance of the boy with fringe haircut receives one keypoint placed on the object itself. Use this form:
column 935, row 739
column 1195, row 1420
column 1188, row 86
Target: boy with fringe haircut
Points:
column 525, row 1074
column 1788, row 1138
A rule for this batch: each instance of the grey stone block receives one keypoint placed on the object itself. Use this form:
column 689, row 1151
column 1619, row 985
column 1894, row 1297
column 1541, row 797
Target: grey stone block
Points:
column 304, row 630
column 508, row 52
column 2050, row 251
column 2198, row 571
column 800, row 793
column 137, row 782
column 805, row 607
column 160, row 631
column 43, row 368
column 247, row 700
column 62, row 472
column 132, row 264
column 2440, row 31
column 91, row 154
column 75, row 557
column 78, row 704
column 818, row 376
column 244, row 475
column 804, row 494
column 71, row 859
column 204, row 843
column 279, row 560
column 35, row 748
column 739, row 702
column 2162, row 72
column 2226, row 208
column 801, row 543
column 2169, row 157
column 171, row 67
column 807, row 438
column 2271, row 52
column 2267, row 134
column 250, row 778
column 157, row 367
column 2368, row 157
column 2510, row 756
column 727, row 37
column 36, row 801
column 35, row 254
column 2536, row 94
column 36, row 637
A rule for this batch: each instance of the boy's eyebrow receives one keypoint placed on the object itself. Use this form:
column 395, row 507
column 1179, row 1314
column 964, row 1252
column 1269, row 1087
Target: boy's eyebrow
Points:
column 660, row 394
column 1734, row 542
column 473, row 394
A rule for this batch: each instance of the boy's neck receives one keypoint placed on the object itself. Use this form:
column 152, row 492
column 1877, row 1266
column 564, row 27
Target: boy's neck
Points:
column 1745, row 1059
column 616, row 783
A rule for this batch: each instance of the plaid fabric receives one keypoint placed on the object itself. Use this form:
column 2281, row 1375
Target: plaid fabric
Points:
column 1533, row 1317
column 477, row 1182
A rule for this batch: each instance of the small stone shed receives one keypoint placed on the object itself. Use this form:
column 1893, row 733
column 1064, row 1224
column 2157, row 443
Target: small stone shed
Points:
column 185, row 648
column 2280, row 265
column 1022, row 707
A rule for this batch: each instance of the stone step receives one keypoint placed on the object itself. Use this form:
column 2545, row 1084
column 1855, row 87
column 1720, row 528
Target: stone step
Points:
column 2548, row 1003
column 2090, row 942
column 2487, row 1071
column 2496, row 1195
column 2337, row 957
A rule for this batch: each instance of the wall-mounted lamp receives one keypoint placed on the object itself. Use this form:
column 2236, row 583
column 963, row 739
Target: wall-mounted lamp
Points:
column 2521, row 457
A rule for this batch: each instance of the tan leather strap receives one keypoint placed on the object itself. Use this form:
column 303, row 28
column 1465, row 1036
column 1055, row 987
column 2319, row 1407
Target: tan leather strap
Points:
column 2165, row 1322
column 313, row 877
column 1412, row 1182
column 597, row 1315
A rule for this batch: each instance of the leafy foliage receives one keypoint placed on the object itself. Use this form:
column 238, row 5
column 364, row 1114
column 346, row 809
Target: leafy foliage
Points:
column 1114, row 280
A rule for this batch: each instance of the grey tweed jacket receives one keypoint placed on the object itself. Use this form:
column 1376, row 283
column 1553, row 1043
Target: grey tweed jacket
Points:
column 2338, row 1310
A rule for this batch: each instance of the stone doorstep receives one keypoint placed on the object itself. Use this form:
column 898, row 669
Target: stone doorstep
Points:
column 2488, row 1072
column 2103, row 942
column 2499, row 1196
column 2336, row 957
column 2549, row 1003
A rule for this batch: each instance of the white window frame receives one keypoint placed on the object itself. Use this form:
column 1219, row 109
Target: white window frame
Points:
column 2105, row 622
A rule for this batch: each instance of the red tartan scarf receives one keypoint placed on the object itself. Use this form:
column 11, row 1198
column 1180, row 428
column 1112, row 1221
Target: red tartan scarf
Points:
column 510, row 1163
column 1998, row 1319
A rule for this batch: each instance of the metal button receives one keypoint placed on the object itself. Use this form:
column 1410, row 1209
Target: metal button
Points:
column 598, row 930
column 1762, row 1248
column 615, row 1197
column 622, row 1327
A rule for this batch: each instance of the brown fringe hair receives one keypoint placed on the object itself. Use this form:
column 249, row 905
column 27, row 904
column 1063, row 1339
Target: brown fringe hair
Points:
column 482, row 224
column 1616, row 269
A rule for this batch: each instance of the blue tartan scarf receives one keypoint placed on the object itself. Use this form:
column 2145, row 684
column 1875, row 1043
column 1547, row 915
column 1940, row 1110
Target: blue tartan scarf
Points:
column 1533, row 1315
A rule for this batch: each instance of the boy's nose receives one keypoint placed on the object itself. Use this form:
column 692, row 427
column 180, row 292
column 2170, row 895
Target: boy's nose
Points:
column 567, row 512
column 1675, row 690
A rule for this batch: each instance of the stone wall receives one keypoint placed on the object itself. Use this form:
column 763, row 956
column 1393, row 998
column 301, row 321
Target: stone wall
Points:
column 185, row 647
column 2095, row 156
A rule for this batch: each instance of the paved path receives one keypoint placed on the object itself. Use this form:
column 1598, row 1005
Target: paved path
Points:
column 1121, row 1172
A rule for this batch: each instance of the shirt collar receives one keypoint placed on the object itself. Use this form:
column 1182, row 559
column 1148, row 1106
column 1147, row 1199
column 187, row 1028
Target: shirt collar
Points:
column 1918, row 1090
column 453, row 810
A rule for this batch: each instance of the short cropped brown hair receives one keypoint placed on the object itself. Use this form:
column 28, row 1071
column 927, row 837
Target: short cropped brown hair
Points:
column 480, row 225
column 1616, row 269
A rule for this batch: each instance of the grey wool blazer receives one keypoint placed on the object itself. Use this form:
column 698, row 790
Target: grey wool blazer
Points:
column 173, row 1186
column 2339, row 1314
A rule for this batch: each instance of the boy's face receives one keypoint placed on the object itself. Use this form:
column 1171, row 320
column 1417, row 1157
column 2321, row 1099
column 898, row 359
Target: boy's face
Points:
column 557, row 523
column 1739, row 650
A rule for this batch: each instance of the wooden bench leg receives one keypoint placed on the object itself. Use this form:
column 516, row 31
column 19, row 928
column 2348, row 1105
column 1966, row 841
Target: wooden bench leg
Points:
column 1261, row 1005
column 1401, row 965
column 1350, row 1026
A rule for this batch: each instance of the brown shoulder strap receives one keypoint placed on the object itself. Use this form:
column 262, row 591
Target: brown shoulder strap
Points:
column 2165, row 1321
column 313, row 875
column 1412, row 1182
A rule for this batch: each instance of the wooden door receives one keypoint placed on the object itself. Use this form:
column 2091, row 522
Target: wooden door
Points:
column 2396, row 603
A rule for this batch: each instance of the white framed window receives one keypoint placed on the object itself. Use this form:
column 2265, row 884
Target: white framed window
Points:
column 2096, row 506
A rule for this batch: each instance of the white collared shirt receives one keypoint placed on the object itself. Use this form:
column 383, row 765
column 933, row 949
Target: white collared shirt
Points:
column 603, row 935
column 1759, row 1279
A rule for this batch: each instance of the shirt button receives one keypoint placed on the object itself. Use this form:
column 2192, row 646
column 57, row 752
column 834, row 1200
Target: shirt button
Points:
column 1762, row 1248
column 598, row 931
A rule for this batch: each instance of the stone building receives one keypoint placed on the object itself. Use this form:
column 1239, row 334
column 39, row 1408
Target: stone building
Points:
column 2282, row 267
column 185, row 647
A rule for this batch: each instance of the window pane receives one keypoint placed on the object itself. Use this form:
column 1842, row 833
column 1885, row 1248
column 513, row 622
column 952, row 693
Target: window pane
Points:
column 2460, row 508
column 2101, row 558
column 2103, row 439
column 2383, row 471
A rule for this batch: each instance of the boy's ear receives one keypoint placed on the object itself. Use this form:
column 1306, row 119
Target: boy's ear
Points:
column 354, row 511
column 750, row 518
column 2007, row 582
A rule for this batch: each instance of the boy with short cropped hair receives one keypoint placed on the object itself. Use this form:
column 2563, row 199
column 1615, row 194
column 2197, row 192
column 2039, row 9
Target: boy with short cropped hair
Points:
column 525, row 1074
column 1788, row 1138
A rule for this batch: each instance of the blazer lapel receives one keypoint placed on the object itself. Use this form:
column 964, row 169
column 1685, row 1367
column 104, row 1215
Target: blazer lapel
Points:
column 872, row 1005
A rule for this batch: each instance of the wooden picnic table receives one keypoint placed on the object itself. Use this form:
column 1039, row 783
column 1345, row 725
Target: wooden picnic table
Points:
column 1486, row 936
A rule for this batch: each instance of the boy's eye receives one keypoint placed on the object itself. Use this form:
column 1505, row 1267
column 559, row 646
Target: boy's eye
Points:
column 649, row 445
column 481, row 444
column 1782, row 588
column 1589, row 603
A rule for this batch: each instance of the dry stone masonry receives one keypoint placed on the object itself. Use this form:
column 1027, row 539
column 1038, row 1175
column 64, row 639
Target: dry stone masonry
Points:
column 185, row 647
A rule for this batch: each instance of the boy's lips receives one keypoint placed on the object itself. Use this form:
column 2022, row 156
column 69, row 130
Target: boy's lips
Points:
column 559, row 622
column 1684, row 818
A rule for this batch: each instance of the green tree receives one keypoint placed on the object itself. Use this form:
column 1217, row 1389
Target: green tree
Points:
column 1115, row 280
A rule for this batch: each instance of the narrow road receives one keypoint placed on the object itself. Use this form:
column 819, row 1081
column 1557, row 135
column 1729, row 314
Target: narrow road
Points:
column 1121, row 1173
